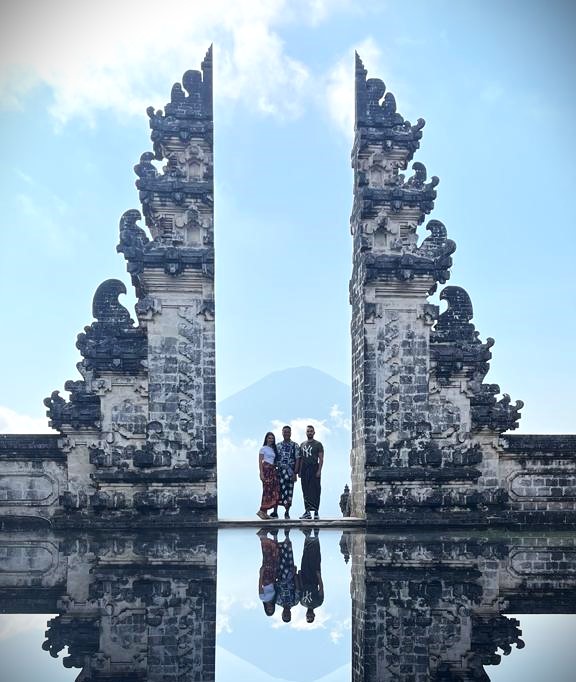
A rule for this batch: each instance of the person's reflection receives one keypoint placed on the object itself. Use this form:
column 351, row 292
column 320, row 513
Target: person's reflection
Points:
column 310, row 574
column 287, row 587
column 269, row 570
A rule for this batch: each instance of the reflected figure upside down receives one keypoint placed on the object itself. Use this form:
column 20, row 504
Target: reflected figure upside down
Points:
column 310, row 574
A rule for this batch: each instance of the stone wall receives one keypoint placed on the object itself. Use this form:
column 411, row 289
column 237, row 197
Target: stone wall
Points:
column 33, row 475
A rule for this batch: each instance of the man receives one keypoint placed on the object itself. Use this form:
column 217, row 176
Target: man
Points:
column 288, row 582
column 309, row 470
column 310, row 574
column 286, row 467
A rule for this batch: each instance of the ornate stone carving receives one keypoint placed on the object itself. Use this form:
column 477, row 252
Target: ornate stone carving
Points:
column 83, row 409
column 112, row 343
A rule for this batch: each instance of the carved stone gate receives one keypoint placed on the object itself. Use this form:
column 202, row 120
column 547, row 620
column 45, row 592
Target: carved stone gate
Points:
column 136, row 439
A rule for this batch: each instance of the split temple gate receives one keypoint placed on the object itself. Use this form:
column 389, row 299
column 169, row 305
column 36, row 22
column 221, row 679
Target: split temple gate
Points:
column 135, row 446
column 136, row 440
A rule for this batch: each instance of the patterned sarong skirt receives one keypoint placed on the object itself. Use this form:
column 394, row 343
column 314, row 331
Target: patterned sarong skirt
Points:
column 270, row 489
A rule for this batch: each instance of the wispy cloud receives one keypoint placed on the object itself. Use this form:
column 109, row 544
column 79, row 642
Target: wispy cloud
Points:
column 338, row 418
column 338, row 629
column 223, row 424
column 19, row 623
column 298, row 621
column 339, row 84
column 338, row 89
column 46, row 216
column 113, row 56
column 299, row 425
column 13, row 422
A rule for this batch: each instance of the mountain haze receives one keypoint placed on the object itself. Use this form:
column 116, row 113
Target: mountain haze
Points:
column 295, row 396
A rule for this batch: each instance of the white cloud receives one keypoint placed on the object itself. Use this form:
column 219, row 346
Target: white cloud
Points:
column 223, row 424
column 46, row 214
column 119, row 56
column 18, row 623
column 338, row 90
column 339, row 87
column 227, row 446
column 226, row 604
column 337, row 416
column 299, row 425
column 12, row 422
column 338, row 629
column 298, row 621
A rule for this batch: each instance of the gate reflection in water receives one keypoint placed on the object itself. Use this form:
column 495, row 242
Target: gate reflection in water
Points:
column 424, row 607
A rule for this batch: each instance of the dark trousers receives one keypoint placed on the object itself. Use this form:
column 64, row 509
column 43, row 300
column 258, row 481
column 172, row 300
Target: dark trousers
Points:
column 310, row 487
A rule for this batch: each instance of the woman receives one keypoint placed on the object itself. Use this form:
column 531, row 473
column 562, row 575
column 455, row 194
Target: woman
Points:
column 269, row 478
column 269, row 570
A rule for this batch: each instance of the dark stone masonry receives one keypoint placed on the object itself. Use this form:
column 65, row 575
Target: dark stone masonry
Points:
column 136, row 439
column 429, row 442
column 433, row 607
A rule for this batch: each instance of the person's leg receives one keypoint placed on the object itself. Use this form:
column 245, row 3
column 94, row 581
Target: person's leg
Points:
column 305, row 478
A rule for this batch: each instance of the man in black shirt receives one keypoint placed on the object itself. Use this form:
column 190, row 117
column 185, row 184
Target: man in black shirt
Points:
column 310, row 575
column 309, row 470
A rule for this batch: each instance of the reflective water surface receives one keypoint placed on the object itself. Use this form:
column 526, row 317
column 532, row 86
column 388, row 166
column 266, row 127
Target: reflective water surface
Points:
column 281, row 604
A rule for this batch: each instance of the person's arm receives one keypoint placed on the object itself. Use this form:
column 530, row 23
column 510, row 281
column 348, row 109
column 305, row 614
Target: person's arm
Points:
column 296, row 463
column 320, row 462
column 260, row 461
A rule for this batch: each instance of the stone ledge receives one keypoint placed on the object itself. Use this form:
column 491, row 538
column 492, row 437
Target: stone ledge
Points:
column 404, row 474
column 533, row 445
column 30, row 447
column 200, row 474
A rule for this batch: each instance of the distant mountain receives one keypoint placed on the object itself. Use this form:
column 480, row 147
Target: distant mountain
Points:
column 298, row 391
column 294, row 396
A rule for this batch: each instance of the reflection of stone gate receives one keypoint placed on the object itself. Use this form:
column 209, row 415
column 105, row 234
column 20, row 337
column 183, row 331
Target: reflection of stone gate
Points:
column 432, row 607
column 143, row 606
column 137, row 439
column 427, row 443
column 131, row 607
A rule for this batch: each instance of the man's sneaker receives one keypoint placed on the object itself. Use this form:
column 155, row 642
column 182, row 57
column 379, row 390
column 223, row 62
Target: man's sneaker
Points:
column 274, row 515
column 286, row 515
column 316, row 517
column 306, row 516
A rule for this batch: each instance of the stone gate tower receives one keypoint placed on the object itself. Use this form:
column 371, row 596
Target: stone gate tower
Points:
column 427, row 432
column 137, row 438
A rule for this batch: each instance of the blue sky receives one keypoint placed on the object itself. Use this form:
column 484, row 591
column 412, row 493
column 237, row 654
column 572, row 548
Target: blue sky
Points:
column 494, row 81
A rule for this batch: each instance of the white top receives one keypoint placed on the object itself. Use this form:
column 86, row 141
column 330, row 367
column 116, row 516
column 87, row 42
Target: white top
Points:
column 267, row 593
column 268, row 454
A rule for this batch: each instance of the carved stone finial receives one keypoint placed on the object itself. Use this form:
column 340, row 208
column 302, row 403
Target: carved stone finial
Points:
column 376, row 113
column 455, row 323
column 112, row 342
column 106, row 307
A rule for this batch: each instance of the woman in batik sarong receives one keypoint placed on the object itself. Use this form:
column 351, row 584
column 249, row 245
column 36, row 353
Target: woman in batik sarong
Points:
column 270, row 491
column 268, row 571
column 288, row 456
